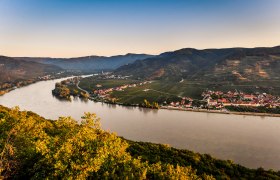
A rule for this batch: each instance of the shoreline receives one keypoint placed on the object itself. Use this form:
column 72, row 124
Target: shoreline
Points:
column 196, row 110
column 191, row 110
column 170, row 108
column 6, row 91
column 223, row 112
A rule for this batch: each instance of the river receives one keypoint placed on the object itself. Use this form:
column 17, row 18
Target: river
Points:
column 251, row 141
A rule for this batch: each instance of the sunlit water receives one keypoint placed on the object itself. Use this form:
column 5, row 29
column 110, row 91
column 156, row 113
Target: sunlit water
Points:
column 249, row 140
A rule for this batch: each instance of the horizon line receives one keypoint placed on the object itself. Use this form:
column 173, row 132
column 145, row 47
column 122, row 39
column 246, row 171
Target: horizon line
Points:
column 108, row 56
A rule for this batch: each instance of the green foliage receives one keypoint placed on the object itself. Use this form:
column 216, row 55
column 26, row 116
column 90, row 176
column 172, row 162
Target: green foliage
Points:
column 158, row 91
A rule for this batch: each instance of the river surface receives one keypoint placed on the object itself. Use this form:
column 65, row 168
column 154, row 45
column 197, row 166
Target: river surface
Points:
column 251, row 141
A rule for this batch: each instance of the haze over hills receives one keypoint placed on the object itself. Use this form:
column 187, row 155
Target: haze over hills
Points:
column 232, row 64
column 12, row 69
column 90, row 63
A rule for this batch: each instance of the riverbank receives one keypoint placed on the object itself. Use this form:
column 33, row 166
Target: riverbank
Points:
column 193, row 110
column 7, row 90
column 24, row 83
column 111, row 98
column 183, row 109
column 221, row 112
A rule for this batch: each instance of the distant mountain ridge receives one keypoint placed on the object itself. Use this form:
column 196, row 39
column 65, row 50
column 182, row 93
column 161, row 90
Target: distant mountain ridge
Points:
column 12, row 69
column 231, row 64
column 90, row 63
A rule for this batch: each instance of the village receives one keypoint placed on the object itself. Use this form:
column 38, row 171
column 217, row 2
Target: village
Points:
column 218, row 100
column 105, row 93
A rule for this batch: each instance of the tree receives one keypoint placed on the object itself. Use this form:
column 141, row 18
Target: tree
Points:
column 61, row 91
column 84, row 95
column 147, row 103
column 32, row 147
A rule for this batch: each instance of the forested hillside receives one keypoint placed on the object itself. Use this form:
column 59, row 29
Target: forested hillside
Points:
column 12, row 69
column 33, row 147
column 231, row 65
column 189, row 72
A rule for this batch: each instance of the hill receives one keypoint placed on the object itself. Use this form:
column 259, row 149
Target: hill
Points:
column 15, row 70
column 90, row 63
column 35, row 148
column 189, row 72
column 216, row 65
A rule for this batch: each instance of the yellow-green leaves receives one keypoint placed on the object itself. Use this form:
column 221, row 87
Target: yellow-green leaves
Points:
column 32, row 147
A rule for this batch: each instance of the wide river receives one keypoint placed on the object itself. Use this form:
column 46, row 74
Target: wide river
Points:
column 251, row 141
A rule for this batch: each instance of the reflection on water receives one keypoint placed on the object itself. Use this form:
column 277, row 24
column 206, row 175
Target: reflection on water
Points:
column 112, row 106
column 249, row 140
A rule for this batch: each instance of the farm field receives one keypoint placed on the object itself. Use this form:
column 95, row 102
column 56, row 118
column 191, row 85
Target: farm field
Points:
column 167, row 91
column 92, row 83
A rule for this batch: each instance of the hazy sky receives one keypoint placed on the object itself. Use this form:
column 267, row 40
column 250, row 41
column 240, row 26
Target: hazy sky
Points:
column 68, row 28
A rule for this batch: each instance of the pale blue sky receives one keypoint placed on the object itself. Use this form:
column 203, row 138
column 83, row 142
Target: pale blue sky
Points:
column 68, row 28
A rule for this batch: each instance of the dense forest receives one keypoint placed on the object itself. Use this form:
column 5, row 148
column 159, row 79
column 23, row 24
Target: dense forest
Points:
column 32, row 147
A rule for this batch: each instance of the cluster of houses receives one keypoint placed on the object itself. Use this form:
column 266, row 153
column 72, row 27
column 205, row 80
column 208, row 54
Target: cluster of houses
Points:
column 52, row 76
column 186, row 102
column 109, row 75
column 105, row 93
column 46, row 77
column 219, row 99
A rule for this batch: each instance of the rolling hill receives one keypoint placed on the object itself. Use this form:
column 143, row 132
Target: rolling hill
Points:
column 233, row 64
column 12, row 69
column 189, row 72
